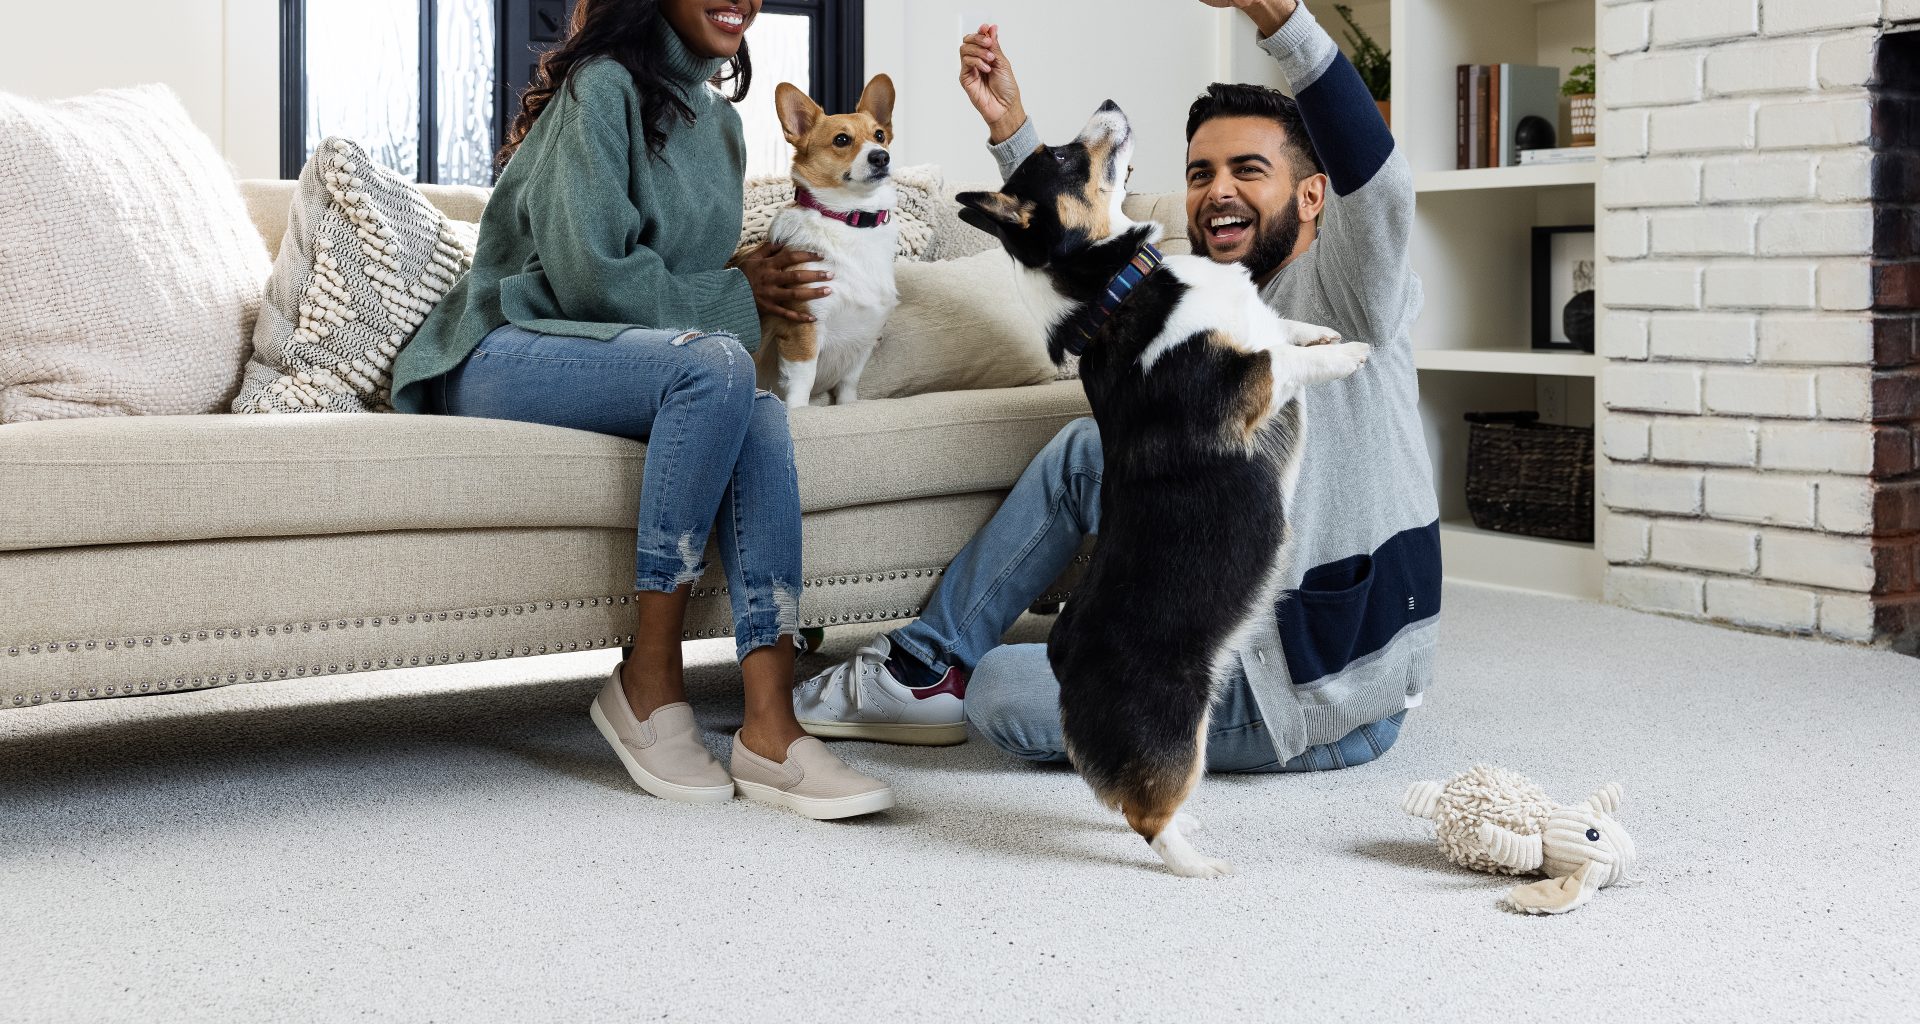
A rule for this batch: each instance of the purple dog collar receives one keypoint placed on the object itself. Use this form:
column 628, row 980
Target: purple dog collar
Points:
column 853, row 218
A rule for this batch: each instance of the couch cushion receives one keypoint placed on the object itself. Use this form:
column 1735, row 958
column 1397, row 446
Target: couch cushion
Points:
column 365, row 259
column 129, row 275
column 174, row 478
column 961, row 326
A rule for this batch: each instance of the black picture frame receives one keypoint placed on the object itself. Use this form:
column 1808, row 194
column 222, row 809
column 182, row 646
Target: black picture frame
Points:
column 1549, row 332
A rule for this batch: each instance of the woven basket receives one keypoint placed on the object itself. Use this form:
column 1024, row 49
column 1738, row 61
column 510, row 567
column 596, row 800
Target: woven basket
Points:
column 1528, row 477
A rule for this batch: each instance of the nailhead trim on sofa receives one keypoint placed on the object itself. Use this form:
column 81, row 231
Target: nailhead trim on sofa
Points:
column 557, row 646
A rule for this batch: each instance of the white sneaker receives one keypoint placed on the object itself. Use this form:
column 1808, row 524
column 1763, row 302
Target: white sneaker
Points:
column 859, row 699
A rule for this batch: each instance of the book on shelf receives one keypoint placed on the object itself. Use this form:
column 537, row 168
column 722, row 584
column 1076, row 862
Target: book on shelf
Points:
column 1493, row 105
column 1562, row 155
column 1462, row 80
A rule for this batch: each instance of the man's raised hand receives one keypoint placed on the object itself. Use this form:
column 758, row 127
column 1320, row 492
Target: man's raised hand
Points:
column 987, row 77
column 1267, row 15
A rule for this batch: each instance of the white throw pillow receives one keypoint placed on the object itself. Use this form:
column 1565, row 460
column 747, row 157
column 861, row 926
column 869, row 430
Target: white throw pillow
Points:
column 960, row 326
column 129, row 270
column 914, row 211
column 366, row 257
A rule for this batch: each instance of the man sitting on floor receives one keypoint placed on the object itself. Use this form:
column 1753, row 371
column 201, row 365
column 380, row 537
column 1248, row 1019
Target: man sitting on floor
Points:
column 1311, row 196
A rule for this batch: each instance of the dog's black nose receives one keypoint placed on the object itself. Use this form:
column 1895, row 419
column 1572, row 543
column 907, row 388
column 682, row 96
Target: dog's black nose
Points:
column 879, row 159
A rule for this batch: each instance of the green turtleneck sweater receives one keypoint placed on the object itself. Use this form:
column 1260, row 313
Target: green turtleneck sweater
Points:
column 588, row 234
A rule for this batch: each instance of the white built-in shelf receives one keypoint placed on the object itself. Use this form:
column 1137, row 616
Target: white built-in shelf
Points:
column 1543, row 176
column 1513, row 560
column 1472, row 247
column 1475, row 360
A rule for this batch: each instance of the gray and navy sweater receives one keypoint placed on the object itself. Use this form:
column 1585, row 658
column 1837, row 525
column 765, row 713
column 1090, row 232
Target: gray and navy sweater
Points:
column 1352, row 639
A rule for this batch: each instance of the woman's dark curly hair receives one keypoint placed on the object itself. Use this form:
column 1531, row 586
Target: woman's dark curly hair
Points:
column 620, row 30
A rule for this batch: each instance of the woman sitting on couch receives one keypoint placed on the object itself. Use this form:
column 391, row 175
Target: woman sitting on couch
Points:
column 600, row 300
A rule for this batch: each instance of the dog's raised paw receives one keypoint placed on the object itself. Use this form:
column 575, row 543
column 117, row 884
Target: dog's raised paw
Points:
column 1307, row 335
column 1356, row 352
column 1188, row 824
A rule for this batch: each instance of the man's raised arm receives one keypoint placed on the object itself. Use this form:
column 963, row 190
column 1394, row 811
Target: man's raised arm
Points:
column 1348, row 135
column 1368, row 224
column 987, row 78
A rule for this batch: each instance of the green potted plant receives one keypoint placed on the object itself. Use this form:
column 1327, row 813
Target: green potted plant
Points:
column 1374, row 64
column 1579, row 87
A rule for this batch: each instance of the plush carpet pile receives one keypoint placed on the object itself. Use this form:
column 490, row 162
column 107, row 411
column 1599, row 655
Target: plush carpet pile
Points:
column 458, row 844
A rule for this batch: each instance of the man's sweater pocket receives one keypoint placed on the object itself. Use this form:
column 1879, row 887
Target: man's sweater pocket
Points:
column 1346, row 610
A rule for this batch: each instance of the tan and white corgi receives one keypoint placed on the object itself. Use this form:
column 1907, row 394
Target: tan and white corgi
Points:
column 843, row 210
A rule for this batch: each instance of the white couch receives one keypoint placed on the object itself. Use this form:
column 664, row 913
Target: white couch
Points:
column 145, row 555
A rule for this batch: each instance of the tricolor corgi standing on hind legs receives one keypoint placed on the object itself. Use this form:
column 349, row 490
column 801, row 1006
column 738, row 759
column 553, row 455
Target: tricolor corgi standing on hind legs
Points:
column 1195, row 386
column 843, row 196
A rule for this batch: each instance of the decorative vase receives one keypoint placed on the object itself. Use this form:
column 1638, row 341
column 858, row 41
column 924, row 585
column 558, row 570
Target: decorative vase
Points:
column 1583, row 115
column 1386, row 111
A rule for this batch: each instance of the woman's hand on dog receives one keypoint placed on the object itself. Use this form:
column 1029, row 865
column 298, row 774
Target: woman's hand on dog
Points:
column 987, row 77
column 779, row 289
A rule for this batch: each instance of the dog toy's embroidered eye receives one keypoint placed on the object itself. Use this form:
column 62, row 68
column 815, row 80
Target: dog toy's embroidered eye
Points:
column 1593, row 835
column 842, row 140
column 880, row 137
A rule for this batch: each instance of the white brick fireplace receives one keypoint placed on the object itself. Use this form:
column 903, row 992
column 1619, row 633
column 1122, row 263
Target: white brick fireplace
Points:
column 1760, row 434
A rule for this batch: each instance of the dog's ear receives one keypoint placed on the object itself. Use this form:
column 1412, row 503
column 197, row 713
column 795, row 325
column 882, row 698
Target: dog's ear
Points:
column 877, row 100
column 995, row 212
column 796, row 110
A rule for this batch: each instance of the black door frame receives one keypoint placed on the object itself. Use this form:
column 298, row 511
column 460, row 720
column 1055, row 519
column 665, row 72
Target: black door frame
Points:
column 840, row 28
column 293, row 92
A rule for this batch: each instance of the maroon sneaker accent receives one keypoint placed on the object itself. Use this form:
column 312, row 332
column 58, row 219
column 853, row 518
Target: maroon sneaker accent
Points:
column 954, row 682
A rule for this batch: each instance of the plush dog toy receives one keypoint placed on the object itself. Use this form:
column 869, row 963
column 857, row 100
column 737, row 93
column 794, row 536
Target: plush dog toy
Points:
column 1491, row 819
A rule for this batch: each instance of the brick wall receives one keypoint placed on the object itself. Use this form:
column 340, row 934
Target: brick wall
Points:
column 1760, row 242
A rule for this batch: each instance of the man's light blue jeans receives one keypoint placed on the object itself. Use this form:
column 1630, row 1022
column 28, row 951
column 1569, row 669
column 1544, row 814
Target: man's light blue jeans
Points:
column 718, row 451
column 1013, row 698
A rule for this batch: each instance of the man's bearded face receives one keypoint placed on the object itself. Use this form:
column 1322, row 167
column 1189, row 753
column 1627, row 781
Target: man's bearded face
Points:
column 1241, row 202
column 1235, row 233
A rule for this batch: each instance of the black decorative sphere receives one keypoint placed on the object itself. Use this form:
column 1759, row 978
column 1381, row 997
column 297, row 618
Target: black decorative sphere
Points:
column 1577, row 320
column 1534, row 132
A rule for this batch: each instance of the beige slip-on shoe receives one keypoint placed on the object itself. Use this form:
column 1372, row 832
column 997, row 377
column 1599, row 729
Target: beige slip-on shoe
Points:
column 811, row 781
column 664, row 753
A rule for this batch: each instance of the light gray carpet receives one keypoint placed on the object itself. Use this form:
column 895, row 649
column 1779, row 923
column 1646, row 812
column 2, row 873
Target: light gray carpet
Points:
column 458, row 844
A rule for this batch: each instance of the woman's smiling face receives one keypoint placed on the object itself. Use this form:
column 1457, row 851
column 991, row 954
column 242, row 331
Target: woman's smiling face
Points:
column 710, row 28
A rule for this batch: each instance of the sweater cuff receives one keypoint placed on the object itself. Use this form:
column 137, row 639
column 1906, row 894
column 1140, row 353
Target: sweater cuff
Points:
column 733, row 311
column 1015, row 148
column 1302, row 47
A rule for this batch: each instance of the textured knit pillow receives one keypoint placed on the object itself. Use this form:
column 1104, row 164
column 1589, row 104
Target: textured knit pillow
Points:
column 960, row 326
column 129, row 271
column 365, row 259
column 918, row 188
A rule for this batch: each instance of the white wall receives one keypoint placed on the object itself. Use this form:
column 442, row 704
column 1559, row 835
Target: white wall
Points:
column 220, row 56
column 1150, row 56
